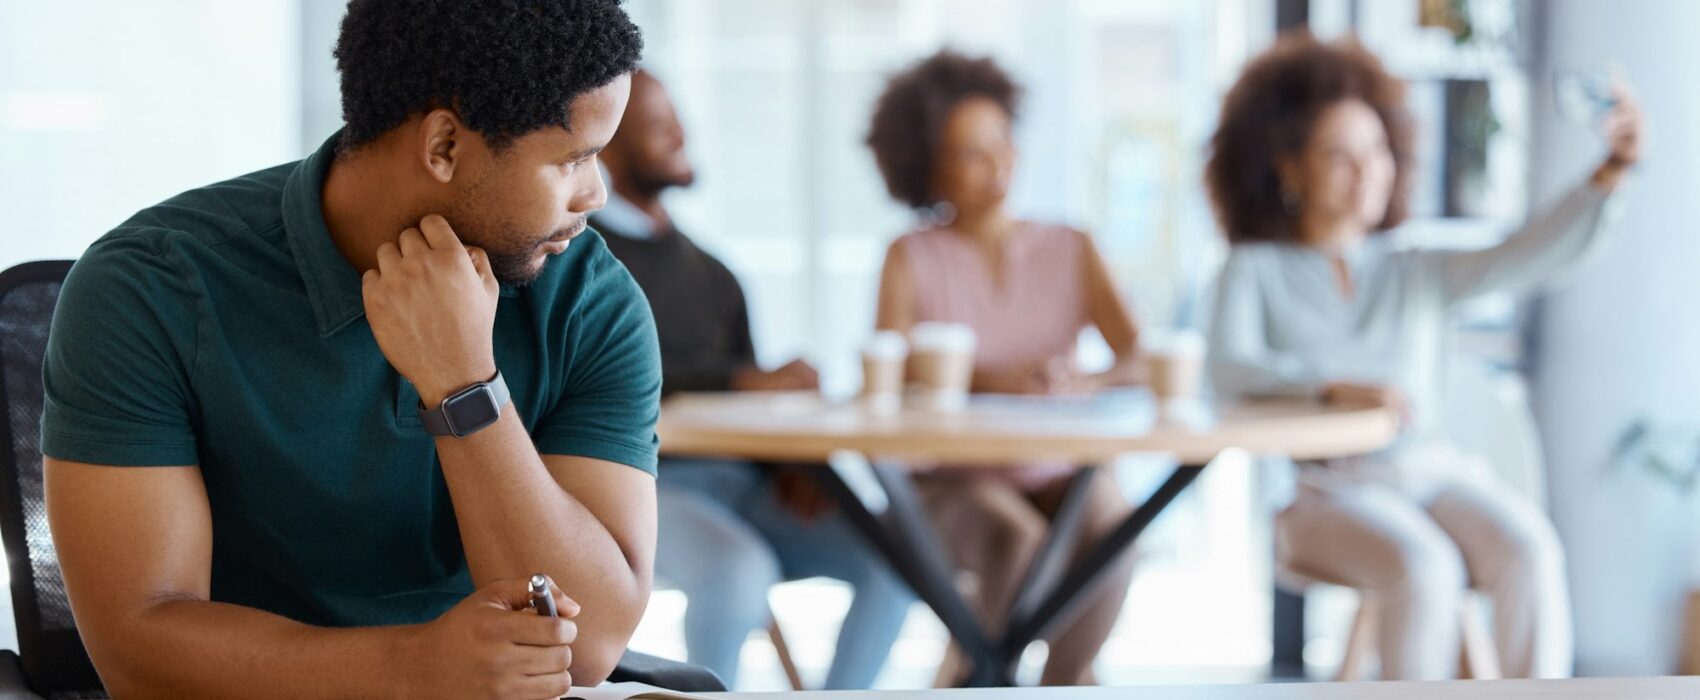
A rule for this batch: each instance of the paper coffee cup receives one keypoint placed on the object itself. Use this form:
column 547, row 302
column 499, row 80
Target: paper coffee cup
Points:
column 1175, row 363
column 883, row 363
column 941, row 364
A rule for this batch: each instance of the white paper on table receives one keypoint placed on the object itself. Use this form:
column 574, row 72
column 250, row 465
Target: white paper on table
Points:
column 628, row 691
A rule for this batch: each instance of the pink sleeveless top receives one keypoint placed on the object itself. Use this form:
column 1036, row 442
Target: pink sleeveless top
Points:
column 1032, row 312
column 1035, row 312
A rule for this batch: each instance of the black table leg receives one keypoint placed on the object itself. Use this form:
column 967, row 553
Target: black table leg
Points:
column 1288, row 660
column 1052, row 559
column 1090, row 569
column 908, row 543
column 992, row 666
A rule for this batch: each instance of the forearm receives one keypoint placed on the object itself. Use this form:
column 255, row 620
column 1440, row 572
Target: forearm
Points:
column 1555, row 239
column 1241, row 363
column 516, row 520
column 984, row 381
column 1268, row 375
column 1128, row 370
column 196, row 648
column 1552, row 242
column 1240, row 357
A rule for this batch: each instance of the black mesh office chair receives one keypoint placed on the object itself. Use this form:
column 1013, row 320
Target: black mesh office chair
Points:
column 51, row 661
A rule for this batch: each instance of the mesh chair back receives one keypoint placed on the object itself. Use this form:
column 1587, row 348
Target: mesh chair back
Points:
column 54, row 661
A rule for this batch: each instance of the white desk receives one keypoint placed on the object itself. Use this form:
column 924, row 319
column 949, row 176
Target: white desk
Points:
column 1687, row 688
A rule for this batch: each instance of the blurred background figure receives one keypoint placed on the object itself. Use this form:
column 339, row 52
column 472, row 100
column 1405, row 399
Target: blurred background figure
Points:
column 1311, row 163
column 729, row 531
column 942, row 134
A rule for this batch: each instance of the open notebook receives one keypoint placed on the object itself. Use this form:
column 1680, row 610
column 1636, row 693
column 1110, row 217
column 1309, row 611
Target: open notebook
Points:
column 629, row 691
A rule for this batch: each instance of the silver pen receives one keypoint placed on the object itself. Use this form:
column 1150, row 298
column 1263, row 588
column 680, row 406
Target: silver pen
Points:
column 541, row 599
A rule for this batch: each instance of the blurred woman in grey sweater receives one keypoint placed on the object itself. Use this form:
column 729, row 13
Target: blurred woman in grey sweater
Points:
column 1311, row 162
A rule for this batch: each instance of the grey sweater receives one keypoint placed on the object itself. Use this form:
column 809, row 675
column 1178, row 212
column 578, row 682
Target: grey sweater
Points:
column 1282, row 327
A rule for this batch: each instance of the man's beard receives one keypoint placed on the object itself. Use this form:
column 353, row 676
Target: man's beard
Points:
column 512, row 254
column 515, row 265
column 519, row 267
column 658, row 182
column 514, row 268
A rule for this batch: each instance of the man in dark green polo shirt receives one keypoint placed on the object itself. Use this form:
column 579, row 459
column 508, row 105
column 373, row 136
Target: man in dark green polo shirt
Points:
column 283, row 460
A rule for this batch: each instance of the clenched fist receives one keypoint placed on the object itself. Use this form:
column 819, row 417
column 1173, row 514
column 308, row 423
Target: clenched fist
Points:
column 491, row 646
column 432, row 306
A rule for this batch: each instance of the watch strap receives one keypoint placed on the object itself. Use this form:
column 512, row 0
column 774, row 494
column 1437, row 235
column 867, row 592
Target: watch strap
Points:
column 436, row 420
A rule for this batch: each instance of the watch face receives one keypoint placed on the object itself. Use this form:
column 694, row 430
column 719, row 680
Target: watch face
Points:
column 471, row 410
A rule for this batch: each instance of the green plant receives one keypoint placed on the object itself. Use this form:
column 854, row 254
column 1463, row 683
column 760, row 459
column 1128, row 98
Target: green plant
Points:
column 1669, row 453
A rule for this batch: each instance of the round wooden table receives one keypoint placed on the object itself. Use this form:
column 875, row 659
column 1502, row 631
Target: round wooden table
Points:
column 1004, row 431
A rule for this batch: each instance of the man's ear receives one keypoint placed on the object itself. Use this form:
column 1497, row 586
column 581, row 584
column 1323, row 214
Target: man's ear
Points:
column 442, row 144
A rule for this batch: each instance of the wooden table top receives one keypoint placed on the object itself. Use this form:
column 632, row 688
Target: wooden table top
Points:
column 1686, row 688
column 996, row 430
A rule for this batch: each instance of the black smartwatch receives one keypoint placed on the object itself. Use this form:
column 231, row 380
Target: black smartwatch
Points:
column 468, row 411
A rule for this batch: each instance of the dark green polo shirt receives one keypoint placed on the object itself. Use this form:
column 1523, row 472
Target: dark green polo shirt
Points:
column 222, row 328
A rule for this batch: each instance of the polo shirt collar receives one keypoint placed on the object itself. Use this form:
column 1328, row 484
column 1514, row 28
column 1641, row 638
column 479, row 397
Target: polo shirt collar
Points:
column 333, row 285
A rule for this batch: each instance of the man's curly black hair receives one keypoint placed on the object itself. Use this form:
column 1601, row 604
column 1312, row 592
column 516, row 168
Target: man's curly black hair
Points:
column 910, row 116
column 507, row 67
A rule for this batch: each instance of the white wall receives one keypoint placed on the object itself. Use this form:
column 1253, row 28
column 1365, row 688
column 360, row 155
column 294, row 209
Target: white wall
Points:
column 321, row 99
column 108, row 106
column 775, row 96
column 1623, row 341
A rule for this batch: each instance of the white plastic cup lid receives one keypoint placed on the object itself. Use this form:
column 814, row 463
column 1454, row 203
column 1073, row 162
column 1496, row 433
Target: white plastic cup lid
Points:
column 886, row 345
column 943, row 337
column 1173, row 342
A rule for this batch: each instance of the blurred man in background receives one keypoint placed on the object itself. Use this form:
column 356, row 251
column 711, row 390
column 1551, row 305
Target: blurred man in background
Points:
column 729, row 530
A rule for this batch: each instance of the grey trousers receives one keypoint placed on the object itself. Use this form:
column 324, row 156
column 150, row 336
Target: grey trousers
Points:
column 1419, row 552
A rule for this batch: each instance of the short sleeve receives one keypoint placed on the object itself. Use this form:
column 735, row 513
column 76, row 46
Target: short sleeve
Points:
column 119, row 358
column 612, row 397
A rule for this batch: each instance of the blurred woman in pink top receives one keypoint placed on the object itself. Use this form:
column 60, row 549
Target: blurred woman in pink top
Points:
column 942, row 137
